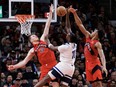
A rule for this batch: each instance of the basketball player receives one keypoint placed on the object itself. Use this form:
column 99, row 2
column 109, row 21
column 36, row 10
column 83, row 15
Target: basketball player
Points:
column 65, row 68
column 91, row 50
column 40, row 49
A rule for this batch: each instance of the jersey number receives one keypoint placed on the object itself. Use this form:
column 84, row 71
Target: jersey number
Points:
column 89, row 48
column 74, row 54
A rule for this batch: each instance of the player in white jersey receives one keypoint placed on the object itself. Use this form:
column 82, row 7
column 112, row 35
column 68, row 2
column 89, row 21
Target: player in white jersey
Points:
column 64, row 70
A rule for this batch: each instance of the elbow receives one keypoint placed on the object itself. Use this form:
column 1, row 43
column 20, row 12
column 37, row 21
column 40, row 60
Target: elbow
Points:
column 46, row 36
column 53, row 48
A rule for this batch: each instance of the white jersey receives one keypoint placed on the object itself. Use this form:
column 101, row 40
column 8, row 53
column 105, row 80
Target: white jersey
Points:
column 68, row 52
column 65, row 68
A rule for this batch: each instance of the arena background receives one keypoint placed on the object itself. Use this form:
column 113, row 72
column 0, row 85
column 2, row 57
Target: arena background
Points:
column 100, row 14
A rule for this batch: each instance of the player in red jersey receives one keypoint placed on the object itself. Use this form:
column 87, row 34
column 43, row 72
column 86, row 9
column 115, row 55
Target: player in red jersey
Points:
column 93, row 47
column 40, row 49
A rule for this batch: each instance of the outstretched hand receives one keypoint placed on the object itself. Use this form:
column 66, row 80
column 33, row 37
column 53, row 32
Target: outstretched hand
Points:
column 51, row 8
column 11, row 67
column 72, row 10
column 104, row 70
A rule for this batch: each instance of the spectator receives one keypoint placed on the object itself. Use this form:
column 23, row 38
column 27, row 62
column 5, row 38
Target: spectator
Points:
column 35, row 81
column 25, row 83
column 29, row 73
column 76, row 73
column 3, row 80
column 9, row 80
column 88, row 84
column 74, row 82
column 80, row 84
column 112, row 80
column 19, row 75
column 5, row 85
column 113, row 75
column 16, row 83
column 112, row 84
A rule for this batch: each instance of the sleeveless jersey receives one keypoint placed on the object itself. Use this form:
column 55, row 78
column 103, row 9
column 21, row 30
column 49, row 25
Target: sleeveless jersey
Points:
column 90, row 52
column 67, row 53
column 44, row 54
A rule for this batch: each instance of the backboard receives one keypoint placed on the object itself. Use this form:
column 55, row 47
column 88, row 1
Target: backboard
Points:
column 39, row 8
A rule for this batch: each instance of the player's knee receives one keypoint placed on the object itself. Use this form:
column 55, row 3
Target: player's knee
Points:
column 55, row 84
column 99, row 84
column 63, row 85
column 47, row 78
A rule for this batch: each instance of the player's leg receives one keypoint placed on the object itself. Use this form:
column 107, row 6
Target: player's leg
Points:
column 42, row 75
column 53, row 74
column 89, row 76
column 97, row 84
column 65, row 80
column 43, row 81
column 64, row 85
column 55, row 84
column 62, row 71
column 93, row 84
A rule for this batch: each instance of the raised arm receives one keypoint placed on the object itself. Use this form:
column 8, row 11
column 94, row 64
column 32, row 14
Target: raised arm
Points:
column 47, row 26
column 51, row 46
column 24, row 62
column 67, row 24
column 79, row 22
column 102, row 57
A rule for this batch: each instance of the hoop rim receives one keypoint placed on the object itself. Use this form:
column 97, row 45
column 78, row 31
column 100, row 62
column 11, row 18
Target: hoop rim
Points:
column 22, row 18
column 23, row 15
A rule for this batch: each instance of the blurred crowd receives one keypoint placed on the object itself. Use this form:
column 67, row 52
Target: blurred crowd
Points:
column 14, row 46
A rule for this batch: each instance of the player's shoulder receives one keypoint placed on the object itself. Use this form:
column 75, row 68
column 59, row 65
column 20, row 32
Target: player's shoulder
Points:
column 98, row 44
column 65, row 45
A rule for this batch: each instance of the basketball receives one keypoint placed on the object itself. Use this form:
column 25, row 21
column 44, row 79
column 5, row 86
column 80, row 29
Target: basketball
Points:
column 61, row 11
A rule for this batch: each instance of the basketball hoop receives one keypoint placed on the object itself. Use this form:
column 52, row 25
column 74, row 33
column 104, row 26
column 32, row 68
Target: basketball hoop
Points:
column 25, row 23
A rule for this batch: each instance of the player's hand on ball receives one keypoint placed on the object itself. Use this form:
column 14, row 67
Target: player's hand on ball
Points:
column 104, row 70
column 72, row 10
column 11, row 67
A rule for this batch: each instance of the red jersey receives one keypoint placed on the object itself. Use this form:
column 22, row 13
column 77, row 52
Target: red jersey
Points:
column 45, row 55
column 90, row 52
column 93, row 69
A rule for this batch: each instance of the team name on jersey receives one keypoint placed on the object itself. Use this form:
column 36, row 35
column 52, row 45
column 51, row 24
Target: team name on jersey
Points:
column 41, row 45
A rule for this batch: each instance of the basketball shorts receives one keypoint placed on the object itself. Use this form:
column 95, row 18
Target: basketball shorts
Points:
column 62, row 71
column 45, row 69
column 94, row 74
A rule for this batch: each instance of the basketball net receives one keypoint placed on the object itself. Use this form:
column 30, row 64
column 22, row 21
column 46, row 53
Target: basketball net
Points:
column 25, row 24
